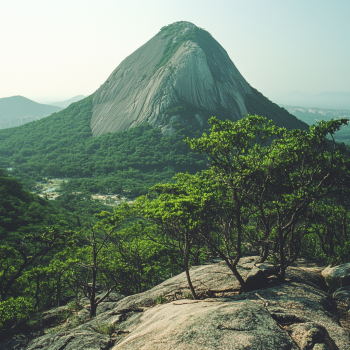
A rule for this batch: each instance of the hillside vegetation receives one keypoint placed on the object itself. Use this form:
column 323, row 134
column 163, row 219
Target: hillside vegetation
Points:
column 281, row 199
column 63, row 146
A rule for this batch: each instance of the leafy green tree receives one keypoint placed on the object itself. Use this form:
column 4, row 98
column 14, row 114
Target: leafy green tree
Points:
column 141, row 260
column 94, row 260
column 29, row 250
column 179, row 212
column 271, row 185
column 13, row 311
column 236, row 153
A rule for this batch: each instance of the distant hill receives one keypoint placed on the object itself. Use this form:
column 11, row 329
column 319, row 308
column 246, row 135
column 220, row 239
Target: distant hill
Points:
column 66, row 103
column 19, row 106
column 19, row 110
column 329, row 100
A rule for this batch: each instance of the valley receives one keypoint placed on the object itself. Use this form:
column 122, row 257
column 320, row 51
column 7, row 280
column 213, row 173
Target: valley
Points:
column 313, row 115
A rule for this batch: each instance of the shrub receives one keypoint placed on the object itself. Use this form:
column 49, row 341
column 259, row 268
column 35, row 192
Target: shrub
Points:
column 160, row 299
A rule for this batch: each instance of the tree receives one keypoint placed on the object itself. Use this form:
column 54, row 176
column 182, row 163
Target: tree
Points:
column 94, row 262
column 29, row 250
column 178, row 212
column 273, row 177
column 237, row 155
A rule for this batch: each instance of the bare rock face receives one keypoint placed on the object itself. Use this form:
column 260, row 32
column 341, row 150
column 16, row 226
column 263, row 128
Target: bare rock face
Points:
column 298, row 314
column 206, row 324
column 183, row 66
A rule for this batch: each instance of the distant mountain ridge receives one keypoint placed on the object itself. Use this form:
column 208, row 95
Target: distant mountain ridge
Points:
column 66, row 103
column 329, row 100
column 19, row 106
column 179, row 75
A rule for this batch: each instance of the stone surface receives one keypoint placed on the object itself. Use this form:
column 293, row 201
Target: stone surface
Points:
column 83, row 340
column 307, row 335
column 53, row 316
column 207, row 324
column 256, row 279
column 200, row 75
column 338, row 276
column 343, row 294
column 298, row 314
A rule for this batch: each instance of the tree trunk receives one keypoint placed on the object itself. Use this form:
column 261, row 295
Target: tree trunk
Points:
column 187, row 254
column 36, row 296
column 282, row 274
column 58, row 291
column 233, row 266
column 264, row 252
column 93, row 305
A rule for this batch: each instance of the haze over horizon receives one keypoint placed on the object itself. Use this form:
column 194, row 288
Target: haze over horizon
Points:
column 56, row 50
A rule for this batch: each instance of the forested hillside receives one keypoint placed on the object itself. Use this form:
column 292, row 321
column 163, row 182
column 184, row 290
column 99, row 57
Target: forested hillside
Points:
column 279, row 199
column 63, row 146
column 46, row 255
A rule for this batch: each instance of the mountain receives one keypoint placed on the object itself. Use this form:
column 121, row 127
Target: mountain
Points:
column 19, row 106
column 126, row 162
column 182, row 73
column 329, row 100
column 129, row 134
column 66, row 103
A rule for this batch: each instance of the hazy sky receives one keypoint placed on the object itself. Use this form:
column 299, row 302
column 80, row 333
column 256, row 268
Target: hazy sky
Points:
column 51, row 50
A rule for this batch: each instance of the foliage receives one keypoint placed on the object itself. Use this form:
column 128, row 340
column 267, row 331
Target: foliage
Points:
column 160, row 299
column 106, row 328
column 273, row 187
column 74, row 306
column 23, row 212
column 14, row 310
column 188, row 296
column 127, row 162
column 285, row 193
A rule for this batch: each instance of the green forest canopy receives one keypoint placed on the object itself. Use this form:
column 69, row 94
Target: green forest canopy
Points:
column 299, row 184
column 63, row 146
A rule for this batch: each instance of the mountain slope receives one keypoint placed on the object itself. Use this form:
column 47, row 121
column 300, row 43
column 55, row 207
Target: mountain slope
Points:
column 63, row 146
column 19, row 106
column 129, row 134
column 181, row 66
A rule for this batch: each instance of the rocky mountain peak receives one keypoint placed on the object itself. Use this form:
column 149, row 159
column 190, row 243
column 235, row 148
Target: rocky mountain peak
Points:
column 181, row 74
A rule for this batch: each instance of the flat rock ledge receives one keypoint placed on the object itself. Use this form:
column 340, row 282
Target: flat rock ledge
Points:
column 298, row 314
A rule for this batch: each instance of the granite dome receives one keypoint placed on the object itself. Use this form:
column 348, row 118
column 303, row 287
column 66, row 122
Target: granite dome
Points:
column 181, row 65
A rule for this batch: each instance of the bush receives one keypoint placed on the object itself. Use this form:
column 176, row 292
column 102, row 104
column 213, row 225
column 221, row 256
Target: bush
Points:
column 160, row 299
column 106, row 328
column 74, row 306
column 14, row 311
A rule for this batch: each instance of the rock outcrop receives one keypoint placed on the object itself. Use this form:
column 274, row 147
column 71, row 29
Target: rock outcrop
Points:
column 181, row 67
column 338, row 276
column 298, row 314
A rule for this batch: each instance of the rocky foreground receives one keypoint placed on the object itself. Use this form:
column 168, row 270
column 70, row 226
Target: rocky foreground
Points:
column 298, row 314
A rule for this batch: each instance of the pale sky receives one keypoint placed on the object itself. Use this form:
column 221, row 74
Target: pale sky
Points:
column 52, row 50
